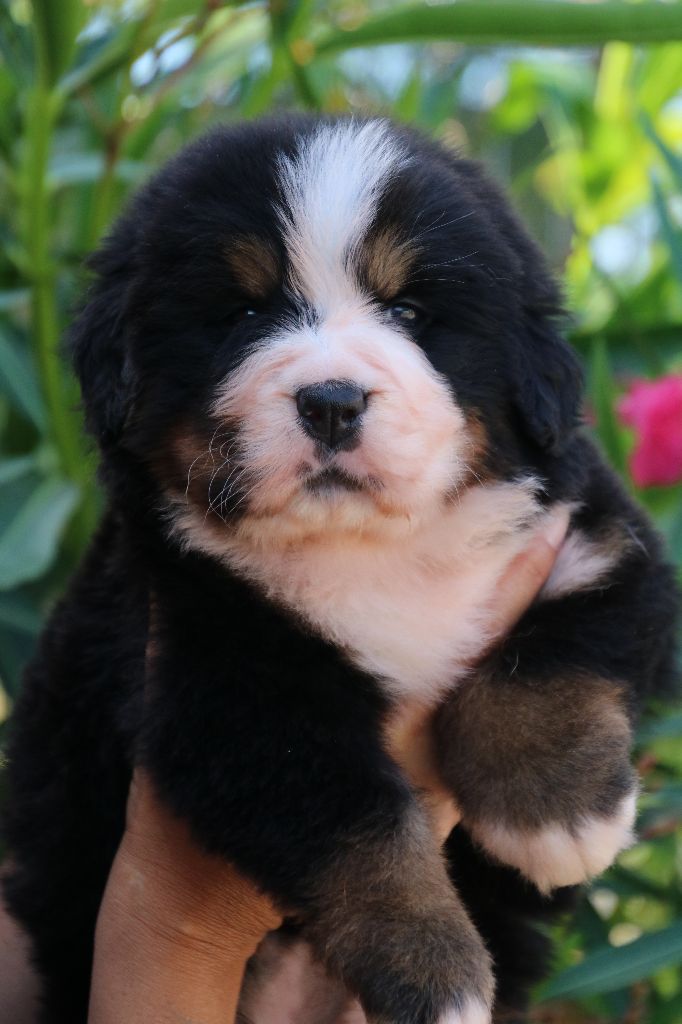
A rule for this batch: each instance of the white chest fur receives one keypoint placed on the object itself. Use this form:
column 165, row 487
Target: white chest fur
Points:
column 412, row 609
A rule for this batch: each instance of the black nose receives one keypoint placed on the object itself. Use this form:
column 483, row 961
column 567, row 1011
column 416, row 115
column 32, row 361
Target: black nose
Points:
column 331, row 411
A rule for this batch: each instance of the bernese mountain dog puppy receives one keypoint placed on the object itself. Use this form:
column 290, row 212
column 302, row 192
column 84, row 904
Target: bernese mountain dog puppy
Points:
column 322, row 362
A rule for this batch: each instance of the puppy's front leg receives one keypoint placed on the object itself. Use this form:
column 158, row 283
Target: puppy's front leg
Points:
column 271, row 751
column 536, row 748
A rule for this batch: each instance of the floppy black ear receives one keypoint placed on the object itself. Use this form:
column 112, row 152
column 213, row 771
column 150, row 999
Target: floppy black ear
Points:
column 98, row 339
column 548, row 384
column 547, row 378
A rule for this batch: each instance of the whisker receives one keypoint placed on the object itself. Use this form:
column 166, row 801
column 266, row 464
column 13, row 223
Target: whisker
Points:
column 447, row 224
column 455, row 259
column 219, row 500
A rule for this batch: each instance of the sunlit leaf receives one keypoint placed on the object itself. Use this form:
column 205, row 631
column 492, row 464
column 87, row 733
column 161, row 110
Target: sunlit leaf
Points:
column 107, row 57
column 671, row 233
column 615, row 967
column 673, row 160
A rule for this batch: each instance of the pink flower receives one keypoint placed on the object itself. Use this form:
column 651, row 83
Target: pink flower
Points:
column 654, row 409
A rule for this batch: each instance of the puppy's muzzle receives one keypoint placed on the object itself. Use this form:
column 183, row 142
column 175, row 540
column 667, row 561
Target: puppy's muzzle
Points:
column 331, row 413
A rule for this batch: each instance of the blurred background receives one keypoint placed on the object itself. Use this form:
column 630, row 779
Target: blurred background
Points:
column 577, row 110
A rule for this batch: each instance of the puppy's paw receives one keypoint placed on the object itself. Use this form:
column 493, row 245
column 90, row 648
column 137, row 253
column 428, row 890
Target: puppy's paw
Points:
column 429, row 972
column 466, row 1010
column 469, row 1011
column 557, row 855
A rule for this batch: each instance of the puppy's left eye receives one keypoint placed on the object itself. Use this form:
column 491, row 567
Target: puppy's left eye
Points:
column 238, row 316
column 245, row 313
column 407, row 314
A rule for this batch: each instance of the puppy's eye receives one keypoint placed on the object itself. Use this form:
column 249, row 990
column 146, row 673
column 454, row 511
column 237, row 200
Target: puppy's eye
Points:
column 239, row 316
column 407, row 314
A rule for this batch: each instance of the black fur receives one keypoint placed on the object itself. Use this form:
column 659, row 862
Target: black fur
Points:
column 260, row 734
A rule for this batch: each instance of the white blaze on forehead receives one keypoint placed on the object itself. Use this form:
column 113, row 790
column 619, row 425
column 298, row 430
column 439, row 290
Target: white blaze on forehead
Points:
column 331, row 188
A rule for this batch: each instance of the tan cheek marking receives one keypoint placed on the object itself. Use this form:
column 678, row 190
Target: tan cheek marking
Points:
column 386, row 260
column 254, row 264
column 193, row 470
column 170, row 462
column 477, row 444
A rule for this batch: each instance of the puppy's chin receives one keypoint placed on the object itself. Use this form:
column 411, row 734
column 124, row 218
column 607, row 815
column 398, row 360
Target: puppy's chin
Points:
column 328, row 504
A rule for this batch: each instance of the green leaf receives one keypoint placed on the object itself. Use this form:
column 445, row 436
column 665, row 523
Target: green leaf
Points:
column 406, row 107
column 561, row 23
column 14, row 298
column 664, row 807
column 17, row 613
column 56, row 25
column 29, row 543
column 660, row 728
column 15, row 650
column 15, row 48
column 629, row 883
column 674, row 538
column 613, row 968
column 671, row 234
column 11, row 469
column 667, row 1011
column 105, row 58
column 672, row 159
column 19, row 384
column 85, row 168
column 603, row 395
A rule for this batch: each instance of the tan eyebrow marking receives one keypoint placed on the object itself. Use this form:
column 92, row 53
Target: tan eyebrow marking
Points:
column 254, row 263
column 386, row 260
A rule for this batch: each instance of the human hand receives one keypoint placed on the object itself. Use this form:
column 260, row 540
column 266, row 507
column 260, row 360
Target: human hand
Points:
column 176, row 925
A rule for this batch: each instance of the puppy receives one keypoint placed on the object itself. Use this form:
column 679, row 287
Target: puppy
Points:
column 322, row 364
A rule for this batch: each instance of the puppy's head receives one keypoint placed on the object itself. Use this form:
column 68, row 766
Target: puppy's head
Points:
column 307, row 326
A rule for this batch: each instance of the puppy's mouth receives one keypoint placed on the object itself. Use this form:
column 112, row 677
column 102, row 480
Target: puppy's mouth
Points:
column 332, row 480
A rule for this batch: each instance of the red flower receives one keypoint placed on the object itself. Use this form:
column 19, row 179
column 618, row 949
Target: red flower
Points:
column 654, row 409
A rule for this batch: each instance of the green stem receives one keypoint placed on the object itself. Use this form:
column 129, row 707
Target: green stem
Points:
column 282, row 16
column 104, row 193
column 304, row 86
column 35, row 216
column 39, row 128
column 539, row 22
column 104, row 201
